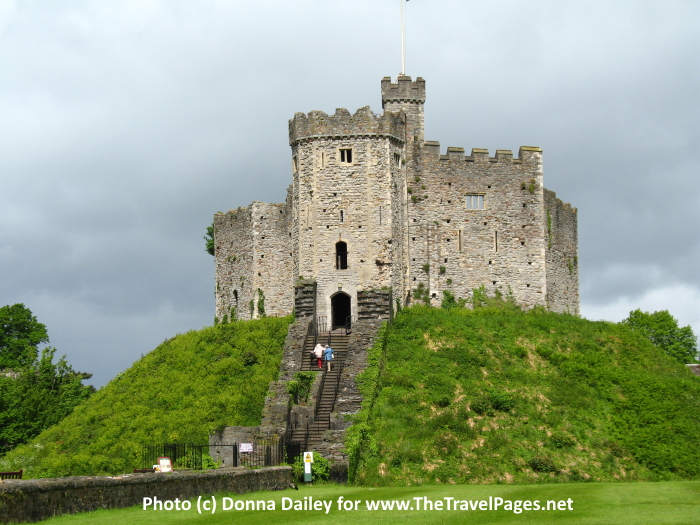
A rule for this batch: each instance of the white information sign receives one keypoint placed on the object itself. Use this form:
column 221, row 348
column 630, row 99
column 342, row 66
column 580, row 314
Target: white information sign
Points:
column 308, row 457
column 246, row 447
column 165, row 465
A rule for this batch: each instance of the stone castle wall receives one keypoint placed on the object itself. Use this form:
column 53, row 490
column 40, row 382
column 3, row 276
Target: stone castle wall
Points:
column 253, row 250
column 452, row 247
column 561, row 224
column 402, row 209
column 233, row 244
column 272, row 272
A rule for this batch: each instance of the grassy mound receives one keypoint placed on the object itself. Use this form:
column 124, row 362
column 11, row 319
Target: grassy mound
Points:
column 189, row 386
column 496, row 395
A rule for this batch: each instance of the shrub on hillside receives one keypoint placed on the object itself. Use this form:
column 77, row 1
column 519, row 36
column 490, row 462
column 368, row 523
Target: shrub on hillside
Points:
column 320, row 469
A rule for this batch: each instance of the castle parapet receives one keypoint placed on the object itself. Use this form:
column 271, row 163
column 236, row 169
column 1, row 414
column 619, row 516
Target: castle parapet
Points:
column 404, row 90
column 364, row 122
column 529, row 154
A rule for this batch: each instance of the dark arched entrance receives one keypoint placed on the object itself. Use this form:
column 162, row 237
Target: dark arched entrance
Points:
column 340, row 309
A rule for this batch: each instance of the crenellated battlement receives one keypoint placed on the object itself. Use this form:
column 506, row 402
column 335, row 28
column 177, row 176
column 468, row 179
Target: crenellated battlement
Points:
column 404, row 90
column 364, row 122
column 529, row 154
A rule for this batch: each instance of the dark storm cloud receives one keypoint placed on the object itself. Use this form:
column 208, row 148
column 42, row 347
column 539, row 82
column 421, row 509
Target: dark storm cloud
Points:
column 125, row 125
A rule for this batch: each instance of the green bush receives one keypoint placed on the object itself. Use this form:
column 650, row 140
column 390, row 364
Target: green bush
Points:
column 320, row 469
column 299, row 387
column 542, row 464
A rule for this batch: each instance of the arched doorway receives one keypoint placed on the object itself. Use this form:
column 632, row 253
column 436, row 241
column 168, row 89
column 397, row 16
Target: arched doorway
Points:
column 340, row 309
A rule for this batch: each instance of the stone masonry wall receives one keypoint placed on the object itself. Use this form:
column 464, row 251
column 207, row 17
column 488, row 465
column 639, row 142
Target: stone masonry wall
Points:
column 406, row 96
column 233, row 243
column 452, row 247
column 253, row 252
column 561, row 255
column 346, row 202
column 275, row 413
column 272, row 271
column 23, row 501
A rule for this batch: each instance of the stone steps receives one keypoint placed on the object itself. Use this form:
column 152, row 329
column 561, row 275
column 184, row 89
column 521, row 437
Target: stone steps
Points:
column 326, row 399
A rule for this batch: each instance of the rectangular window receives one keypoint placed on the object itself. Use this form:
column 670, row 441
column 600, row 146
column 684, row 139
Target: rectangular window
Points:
column 397, row 159
column 475, row 202
column 346, row 155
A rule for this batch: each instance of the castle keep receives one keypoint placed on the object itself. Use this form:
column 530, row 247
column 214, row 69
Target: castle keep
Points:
column 374, row 206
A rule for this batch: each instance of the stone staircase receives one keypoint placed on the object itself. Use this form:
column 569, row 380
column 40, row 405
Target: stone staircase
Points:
column 328, row 389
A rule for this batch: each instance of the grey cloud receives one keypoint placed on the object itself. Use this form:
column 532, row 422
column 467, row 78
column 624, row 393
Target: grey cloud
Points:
column 125, row 126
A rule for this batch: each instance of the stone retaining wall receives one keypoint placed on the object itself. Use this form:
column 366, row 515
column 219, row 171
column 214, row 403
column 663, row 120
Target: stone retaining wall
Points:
column 23, row 501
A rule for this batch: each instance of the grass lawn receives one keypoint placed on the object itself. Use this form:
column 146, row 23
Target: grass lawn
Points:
column 675, row 503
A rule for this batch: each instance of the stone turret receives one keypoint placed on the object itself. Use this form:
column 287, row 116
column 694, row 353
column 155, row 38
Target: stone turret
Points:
column 409, row 96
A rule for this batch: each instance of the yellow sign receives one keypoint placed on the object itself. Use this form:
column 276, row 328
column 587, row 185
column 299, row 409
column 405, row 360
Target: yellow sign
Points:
column 308, row 457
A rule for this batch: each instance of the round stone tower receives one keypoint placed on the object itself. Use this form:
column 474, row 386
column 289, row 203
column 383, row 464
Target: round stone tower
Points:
column 344, row 167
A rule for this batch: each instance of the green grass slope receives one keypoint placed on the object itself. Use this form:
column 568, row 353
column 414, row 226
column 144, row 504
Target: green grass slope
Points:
column 180, row 392
column 496, row 395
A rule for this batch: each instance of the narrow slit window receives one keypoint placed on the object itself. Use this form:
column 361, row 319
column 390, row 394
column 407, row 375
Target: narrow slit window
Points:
column 459, row 240
column 495, row 241
column 341, row 256
column 475, row 202
column 346, row 155
column 295, row 163
column 342, row 216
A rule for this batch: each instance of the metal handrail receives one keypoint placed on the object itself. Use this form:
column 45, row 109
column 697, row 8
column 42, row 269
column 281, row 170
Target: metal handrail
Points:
column 349, row 321
column 337, row 384
column 321, row 323
column 320, row 394
column 339, row 368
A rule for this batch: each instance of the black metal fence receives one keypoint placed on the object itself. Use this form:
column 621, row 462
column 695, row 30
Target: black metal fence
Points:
column 261, row 453
column 182, row 455
column 264, row 453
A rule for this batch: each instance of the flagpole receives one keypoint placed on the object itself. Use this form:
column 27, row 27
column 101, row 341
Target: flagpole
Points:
column 403, row 37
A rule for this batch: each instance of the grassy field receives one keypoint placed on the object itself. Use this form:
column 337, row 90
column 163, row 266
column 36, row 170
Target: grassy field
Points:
column 676, row 503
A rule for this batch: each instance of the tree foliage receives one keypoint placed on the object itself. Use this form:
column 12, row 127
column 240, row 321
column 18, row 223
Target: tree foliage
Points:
column 662, row 329
column 209, row 240
column 35, row 392
column 39, row 397
column 20, row 334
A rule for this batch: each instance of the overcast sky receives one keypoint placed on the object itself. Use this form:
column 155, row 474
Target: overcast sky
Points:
column 124, row 126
